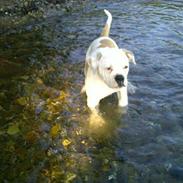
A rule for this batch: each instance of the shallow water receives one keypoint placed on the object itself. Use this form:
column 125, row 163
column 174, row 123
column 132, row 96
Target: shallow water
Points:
column 47, row 133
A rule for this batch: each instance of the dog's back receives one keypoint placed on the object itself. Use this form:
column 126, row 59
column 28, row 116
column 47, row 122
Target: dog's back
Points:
column 104, row 41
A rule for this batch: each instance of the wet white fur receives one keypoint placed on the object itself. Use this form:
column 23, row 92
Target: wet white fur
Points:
column 99, row 81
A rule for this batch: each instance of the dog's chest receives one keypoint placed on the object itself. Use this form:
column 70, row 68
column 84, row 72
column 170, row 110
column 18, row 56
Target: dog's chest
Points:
column 95, row 86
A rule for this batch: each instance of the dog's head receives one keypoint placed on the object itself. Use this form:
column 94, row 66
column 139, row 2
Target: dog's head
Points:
column 112, row 66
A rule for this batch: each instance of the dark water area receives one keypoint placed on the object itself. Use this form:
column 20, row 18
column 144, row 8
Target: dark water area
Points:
column 47, row 133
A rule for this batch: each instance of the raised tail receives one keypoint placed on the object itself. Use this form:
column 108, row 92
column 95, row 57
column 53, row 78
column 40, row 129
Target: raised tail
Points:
column 106, row 29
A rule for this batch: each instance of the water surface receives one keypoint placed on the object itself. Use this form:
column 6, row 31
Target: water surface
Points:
column 48, row 134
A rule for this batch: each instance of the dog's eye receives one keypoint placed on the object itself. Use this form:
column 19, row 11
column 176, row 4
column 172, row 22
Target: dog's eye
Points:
column 126, row 67
column 109, row 69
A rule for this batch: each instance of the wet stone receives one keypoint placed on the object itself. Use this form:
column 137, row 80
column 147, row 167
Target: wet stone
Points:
column 39, row 107
column 1, row 108
column 44, row 143
column 45, row 127
column 176, row 172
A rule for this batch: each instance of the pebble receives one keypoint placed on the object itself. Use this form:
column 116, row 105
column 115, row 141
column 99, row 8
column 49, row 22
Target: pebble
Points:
column 45, row 127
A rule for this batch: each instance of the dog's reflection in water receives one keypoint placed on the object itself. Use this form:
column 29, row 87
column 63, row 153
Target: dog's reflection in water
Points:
column 104, row 123
column 96, row 120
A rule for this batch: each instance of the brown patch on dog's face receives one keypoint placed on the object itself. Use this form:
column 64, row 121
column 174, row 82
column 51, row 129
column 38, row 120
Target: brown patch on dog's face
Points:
column 106, row 43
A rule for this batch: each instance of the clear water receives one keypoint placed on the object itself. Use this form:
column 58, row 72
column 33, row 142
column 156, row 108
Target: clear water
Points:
column 143, row 145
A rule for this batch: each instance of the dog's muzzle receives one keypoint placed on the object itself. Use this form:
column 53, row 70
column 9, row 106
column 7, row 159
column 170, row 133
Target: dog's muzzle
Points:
column 119, row 80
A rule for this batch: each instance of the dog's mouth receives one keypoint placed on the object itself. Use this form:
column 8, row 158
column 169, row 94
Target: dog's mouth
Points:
column 121, row 85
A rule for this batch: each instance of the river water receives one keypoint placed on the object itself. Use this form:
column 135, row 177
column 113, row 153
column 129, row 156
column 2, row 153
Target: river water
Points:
column 48, row 134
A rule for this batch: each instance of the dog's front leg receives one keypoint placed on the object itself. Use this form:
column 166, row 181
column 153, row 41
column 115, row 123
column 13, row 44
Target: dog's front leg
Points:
column 92, row 102
column 122, row 97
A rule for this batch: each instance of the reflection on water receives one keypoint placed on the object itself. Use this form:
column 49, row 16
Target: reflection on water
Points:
column 96, row 122
column 103, row 125
column 47, row 133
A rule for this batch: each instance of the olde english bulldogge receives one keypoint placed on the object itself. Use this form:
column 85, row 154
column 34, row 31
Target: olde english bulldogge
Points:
column 106, row 69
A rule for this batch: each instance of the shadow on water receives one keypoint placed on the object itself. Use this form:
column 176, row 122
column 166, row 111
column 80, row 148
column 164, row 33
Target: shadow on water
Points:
column 48, row 134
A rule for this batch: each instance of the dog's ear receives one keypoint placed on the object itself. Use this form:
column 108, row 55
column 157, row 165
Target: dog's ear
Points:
column 129, row 55
column 99, row 56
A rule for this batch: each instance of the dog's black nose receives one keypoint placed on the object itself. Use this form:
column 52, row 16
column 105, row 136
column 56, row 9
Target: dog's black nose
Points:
column 119, row 80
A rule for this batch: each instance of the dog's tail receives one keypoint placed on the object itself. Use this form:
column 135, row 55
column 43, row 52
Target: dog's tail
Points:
column 106, row 29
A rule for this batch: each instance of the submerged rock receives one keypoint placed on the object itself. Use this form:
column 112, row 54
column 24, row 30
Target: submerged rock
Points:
column 176, row 172
column 9, row 68
column 45, row 127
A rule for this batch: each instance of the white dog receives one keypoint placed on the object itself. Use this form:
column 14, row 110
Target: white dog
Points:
column 106, row 69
